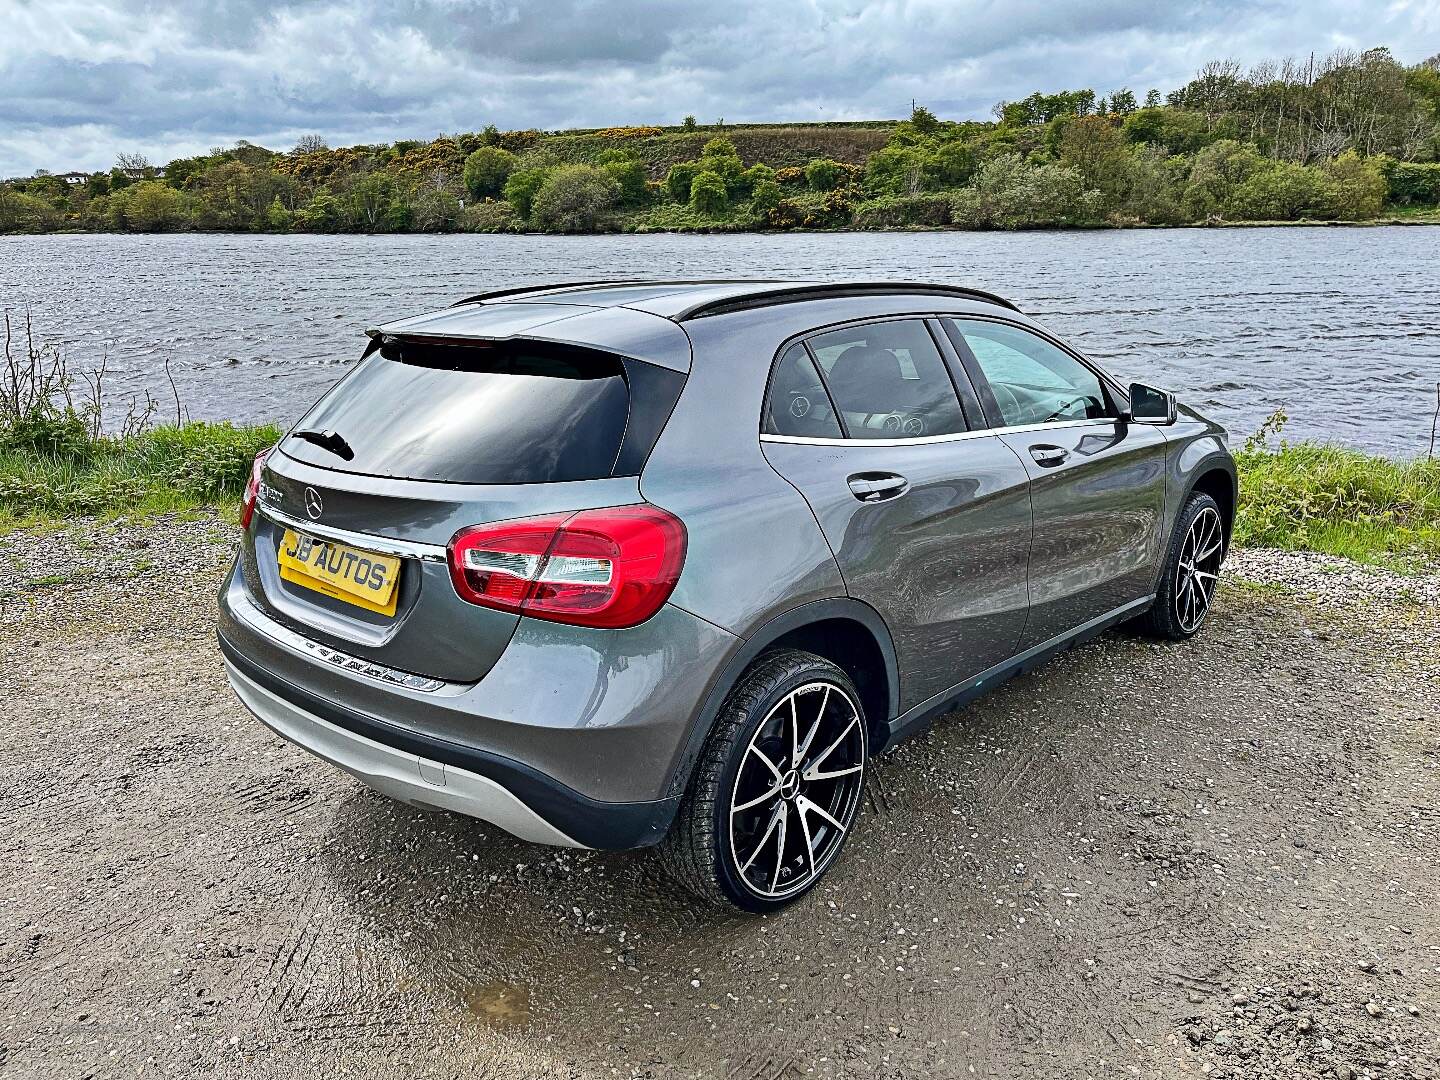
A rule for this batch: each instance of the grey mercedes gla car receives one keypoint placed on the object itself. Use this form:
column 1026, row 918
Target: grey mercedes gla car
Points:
column 615, row 564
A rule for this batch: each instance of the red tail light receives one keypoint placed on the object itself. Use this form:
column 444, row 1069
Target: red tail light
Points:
column 608, row 568
column 252, row 489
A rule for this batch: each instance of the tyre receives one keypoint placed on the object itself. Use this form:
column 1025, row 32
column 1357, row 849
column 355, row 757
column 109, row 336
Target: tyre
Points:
column 1191, row 572
column 777, row 788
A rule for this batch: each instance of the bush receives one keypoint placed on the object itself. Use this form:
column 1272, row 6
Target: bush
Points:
column 1326, row 498
column 822, row 174
column 1360, row 188
column 899, row 211
column 1285, row 191
column 827, row 210
column 1216, row 172
column 1010, row 194
column 486, row 171
column 756, row 174
column 277, row 218
column 765, row 197
column 678, row 180
column 708, row 193
column 628, row 173
column 574, row 198
column 721, row 158
column 522, row 186
column 490, row 217
column 321, row 214
column 1411, row 184
column 149, row 206
column 20, row 212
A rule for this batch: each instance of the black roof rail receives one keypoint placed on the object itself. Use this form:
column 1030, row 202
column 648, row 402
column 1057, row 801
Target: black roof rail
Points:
column 549, row 286
column 836, row 290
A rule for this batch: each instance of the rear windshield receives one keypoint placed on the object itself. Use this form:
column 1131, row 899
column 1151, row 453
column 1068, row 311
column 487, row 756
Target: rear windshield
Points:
column 482, row 413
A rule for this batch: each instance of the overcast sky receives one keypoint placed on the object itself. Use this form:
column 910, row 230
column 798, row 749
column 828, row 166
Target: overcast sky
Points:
column 83, row 79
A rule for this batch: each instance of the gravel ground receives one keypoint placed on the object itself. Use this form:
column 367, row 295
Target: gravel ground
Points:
column 1215, row 859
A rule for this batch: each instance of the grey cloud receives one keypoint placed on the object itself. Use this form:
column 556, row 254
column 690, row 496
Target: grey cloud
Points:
column 81, row 79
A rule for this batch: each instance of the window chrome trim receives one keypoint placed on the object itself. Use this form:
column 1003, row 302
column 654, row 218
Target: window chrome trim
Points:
column 381, row 545
column 1017, row 429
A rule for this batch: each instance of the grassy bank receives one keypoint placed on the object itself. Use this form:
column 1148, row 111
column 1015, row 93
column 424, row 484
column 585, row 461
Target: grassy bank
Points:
column 165, row 468
column 1300, row 497
column 57, row 461
column 1307, row 497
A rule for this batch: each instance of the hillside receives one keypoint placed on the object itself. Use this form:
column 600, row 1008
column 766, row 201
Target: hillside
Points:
column 1351, row 137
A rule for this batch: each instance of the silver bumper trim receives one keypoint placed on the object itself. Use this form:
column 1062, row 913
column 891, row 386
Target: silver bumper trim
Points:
column 245, row 611
column 397, row 773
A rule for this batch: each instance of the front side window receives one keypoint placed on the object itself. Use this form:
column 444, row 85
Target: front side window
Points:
column 1033, row 381
column 889, row 381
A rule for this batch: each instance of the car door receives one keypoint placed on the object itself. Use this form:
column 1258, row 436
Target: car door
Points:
column 1097, row 482
column 929, row 519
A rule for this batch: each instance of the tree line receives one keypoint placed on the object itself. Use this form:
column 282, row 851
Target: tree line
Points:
column 1349, row 136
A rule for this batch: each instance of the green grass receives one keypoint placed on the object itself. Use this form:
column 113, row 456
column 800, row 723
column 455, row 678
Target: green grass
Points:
column 1301, row 497
column 1308, row 497
column 164, row 469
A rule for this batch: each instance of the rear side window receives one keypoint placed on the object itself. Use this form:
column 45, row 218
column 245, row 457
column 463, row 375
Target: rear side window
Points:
column 889, row 381
column 799, row 404
column 486, row 413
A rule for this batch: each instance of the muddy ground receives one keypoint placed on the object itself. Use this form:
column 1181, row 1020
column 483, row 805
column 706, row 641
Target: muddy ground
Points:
column 1217, row 859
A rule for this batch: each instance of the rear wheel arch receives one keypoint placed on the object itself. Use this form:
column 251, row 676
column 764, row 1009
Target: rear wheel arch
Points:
column 845, row 631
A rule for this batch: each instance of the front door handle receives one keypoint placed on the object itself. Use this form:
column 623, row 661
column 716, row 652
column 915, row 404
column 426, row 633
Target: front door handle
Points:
column 1049, row 456
column 876, row 487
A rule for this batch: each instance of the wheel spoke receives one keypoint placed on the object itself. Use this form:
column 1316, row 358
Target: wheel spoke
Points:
column 774, row 769
column 814, row 773
column 770, row 794
column 1211, row 550
column 824, row 755
column 780, row 847
column 776, row 818
column 809, row 841
column 804, row 748
column 794, row 725
column 803, row 805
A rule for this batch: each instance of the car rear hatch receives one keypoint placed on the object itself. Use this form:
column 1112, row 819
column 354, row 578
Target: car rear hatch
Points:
column 428, row 435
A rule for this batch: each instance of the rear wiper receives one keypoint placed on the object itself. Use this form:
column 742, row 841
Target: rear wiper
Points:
column 332, row 441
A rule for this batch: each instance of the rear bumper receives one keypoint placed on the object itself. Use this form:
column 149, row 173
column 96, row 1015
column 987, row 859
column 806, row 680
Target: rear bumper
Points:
column 425, row 771
column 572, row 737
column 398, row 773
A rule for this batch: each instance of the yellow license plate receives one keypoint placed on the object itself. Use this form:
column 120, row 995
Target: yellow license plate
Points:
column 357, row 577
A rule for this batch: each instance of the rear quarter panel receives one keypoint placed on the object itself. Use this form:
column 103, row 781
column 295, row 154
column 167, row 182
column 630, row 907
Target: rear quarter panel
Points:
column 754, row 548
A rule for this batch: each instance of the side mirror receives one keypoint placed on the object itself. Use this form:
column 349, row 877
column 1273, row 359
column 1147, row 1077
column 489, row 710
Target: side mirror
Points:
column 1151, row 406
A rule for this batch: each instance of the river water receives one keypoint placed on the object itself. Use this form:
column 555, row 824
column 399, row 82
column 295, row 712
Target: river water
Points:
column 1338, row 326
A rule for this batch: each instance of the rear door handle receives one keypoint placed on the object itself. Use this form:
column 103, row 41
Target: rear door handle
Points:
column 876, row 487
column 1049, row 456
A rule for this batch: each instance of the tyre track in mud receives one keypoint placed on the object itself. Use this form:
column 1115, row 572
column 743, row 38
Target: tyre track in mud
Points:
column 1082, row 874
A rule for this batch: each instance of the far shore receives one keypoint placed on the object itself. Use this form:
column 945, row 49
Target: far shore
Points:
column 1431, row 219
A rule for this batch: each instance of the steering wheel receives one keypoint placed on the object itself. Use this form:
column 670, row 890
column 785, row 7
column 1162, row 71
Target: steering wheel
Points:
column 1060, row 410
column 1018, row 409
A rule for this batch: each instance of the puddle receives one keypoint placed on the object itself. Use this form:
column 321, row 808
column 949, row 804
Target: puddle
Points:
column 499, row 1004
